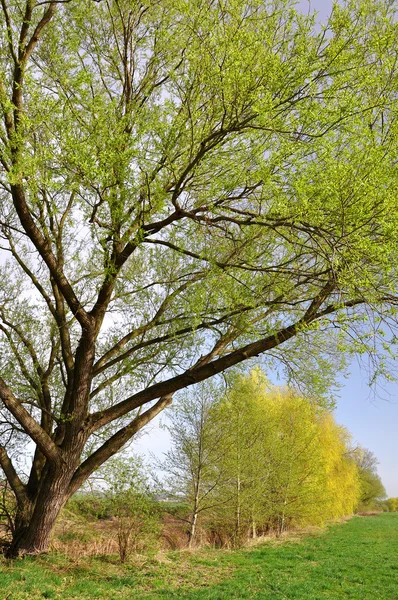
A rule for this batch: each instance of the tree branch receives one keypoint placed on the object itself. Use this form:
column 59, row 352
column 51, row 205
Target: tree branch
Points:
column 9, row 31
column 12, row 477
column 29, row 424
column 44, row 249
column 202, row 372
column 113, row 444
column 102, row 364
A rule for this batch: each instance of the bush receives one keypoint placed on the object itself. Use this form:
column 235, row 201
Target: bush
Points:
column 131, row 505
column 92, row 505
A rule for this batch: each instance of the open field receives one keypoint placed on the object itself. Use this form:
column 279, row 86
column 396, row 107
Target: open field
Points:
column 355, row 560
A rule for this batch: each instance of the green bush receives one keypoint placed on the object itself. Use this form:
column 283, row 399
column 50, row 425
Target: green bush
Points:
column 92, row 505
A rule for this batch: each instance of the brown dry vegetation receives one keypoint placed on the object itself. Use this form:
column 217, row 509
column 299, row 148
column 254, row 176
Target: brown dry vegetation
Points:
column 79, row 536
column 76, row 536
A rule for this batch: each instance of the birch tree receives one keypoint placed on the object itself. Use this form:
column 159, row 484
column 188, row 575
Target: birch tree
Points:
column 192, row 465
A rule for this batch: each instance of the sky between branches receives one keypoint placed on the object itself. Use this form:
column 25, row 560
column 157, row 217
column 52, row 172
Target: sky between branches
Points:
column 371, row 417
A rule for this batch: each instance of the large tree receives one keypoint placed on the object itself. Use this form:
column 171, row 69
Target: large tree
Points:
column 184, row 186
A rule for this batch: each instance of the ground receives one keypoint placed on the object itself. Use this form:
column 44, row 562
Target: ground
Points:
column 356, row 560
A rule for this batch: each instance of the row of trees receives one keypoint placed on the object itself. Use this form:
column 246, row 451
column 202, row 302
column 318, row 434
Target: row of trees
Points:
column 246, row 459
column 258, row 457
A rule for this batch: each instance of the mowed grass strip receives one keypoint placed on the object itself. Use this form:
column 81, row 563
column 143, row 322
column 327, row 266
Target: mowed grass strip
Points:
column 355, row 560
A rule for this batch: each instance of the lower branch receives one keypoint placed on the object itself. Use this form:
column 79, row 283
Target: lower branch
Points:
column 29, row 424
column 12, row 477
column 113, row 445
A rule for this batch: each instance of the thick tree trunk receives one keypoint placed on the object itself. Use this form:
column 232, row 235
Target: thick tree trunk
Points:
column 21, row 525
column 33, row 529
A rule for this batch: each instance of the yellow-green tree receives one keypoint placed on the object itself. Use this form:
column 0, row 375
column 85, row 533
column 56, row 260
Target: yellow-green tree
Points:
column 288, row 461
column 342, row 484
column 243, row 434
column 392, row 504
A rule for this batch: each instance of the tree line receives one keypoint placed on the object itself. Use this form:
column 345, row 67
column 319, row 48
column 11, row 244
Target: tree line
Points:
column 258, row 458
column 247, row 459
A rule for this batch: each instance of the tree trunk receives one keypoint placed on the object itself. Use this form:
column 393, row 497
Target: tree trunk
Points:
column 33, row 527
column 254, row 530
column 194, row 519
column 192, row 531
column 238, row 512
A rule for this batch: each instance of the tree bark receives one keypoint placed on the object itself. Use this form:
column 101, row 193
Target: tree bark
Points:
column 35, row 522
column 192, row 531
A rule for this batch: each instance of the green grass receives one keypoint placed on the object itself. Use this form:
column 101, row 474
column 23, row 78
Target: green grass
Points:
column 356, row 560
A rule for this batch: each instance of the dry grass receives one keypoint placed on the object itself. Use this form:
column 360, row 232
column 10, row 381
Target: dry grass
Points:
column 76, row 536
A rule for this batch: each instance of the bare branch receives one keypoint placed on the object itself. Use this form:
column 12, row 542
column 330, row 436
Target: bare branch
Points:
column 12, row 476
column 114, row 443
column 29, row 424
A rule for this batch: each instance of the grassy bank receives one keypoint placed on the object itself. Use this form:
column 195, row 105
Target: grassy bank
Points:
column 355, row 560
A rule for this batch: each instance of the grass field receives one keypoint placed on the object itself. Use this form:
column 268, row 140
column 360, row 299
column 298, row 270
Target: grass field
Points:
column 355, row 560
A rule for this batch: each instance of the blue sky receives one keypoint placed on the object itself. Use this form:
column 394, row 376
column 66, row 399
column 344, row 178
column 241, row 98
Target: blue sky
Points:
column 372, row 421
column 371, row 418
column 322, row 7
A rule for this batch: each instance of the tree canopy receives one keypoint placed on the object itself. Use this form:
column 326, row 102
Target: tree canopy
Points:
column 184, row 186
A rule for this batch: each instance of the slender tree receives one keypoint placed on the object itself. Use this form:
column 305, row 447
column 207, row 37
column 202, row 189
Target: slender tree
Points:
column 183, row 186
column 196, row 452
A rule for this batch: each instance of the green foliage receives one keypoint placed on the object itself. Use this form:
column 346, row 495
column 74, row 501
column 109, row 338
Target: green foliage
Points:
column 371, row 486
column 287, row 461
column 184, row 186
column 258, row 458
column 89, row 505
column 131, row 504
column 392, row 504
